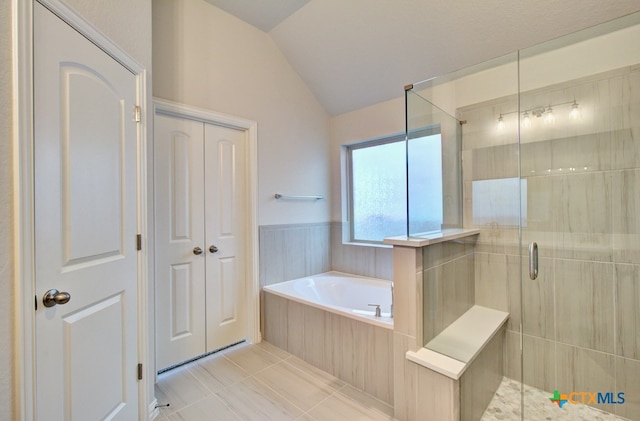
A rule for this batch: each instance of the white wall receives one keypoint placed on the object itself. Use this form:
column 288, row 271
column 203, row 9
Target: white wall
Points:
column 128, row 23
column 207, row 58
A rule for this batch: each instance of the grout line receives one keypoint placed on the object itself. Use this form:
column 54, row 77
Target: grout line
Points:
column 333, row 393
column 278, row 394
column 228, row 406
column 373, row 408
column 186, row 406
column 325, row 382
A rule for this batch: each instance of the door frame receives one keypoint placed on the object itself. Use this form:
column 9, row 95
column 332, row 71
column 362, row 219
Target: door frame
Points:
column 24, row 346
column 252, row 290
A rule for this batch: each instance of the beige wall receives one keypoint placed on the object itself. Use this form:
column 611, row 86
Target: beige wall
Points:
column 371, row 122
column 128, row 24
column 207, row 58
column 125, row 22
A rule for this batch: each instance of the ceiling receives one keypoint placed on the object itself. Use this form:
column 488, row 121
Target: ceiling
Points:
column 355, row 53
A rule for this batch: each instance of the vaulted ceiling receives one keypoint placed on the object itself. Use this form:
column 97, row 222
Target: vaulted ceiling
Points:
column 355, row 53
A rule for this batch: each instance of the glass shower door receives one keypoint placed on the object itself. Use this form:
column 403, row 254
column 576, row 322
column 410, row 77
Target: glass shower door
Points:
column 579, row 123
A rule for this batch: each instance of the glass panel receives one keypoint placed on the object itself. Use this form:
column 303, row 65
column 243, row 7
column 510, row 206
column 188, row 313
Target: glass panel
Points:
column 549, row 152
column 469, row 284
column 379, row 194
column 433, row 166
column 480, row 169
column 580, row 159
column 424, row 160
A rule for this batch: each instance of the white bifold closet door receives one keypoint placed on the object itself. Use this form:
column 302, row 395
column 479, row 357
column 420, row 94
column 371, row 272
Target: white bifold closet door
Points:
column 200, row 238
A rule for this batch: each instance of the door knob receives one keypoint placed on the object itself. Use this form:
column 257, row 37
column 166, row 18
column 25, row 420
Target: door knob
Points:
column 213, row 249
column 197, row 251
column 53, row 297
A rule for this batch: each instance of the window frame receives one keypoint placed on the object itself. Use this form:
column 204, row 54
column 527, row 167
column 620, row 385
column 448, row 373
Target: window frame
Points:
column 384, row 140
column 393, row 138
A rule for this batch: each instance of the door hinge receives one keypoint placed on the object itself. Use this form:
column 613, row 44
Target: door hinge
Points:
column 137, row 114
column 140, row 371
column 36, row 302
column 139, row 242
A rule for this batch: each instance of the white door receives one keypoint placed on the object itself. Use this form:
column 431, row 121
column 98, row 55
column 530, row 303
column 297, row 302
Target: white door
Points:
column 85, row 228
column 200, row 238
column 180, row 276
column 226, row 229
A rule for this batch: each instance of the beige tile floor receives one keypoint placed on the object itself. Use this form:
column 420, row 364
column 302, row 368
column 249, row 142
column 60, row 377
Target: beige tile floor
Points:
column 261, row 382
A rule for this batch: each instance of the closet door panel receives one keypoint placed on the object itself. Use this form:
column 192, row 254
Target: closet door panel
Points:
column 180, row 271
column 225, row 186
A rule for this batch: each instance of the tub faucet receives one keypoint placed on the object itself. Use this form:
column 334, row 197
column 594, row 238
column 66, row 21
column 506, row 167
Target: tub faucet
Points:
column 378, row 312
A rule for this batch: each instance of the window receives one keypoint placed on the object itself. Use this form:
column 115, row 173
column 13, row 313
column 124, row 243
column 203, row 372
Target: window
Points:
column 377, row 188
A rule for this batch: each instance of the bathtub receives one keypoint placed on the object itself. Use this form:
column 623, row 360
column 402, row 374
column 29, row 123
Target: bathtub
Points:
column 326, row 321
column 341, row 293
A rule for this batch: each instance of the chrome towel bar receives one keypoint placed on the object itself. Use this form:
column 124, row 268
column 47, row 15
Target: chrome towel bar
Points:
column 287, row 197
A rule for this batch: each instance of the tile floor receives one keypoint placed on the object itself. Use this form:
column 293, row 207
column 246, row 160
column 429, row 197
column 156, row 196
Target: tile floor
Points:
column 261, row 382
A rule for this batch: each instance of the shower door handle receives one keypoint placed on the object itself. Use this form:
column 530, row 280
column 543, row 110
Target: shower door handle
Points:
column 533, row 260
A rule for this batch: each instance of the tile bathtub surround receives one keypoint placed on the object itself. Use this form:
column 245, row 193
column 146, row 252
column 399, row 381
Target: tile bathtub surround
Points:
column 293, row 251
column 358, row 353
column 282, row 387
column 363, row 260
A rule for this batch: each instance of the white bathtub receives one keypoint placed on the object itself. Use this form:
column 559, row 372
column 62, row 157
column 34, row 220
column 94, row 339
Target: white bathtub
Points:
column 341, row 293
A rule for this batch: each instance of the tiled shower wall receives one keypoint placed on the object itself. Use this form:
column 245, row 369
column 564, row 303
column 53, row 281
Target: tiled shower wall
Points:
column 581, row 318
column 294, row 251
column 448, row 289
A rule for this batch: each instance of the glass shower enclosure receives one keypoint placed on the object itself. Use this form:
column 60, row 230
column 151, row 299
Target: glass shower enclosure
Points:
column 541, row 153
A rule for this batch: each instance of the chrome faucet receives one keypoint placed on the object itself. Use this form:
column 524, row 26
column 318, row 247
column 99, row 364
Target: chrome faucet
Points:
column 378, row 312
